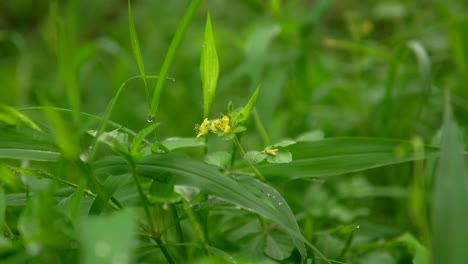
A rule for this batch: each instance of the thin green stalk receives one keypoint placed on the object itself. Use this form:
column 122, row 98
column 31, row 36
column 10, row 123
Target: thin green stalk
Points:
column 261, row 128
column 156, row 236
column 178, row 228
column 197, row 230
column 417, row 198
column 181, row 29
column 252, row 167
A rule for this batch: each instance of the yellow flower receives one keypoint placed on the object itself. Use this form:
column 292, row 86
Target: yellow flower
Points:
column 271, row 152
column 202, row 129
column 221, row 125
column 216, row 126
column 225, row 124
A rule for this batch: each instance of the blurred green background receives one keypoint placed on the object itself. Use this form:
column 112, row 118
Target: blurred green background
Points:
column 321, row 64
column 347, row 68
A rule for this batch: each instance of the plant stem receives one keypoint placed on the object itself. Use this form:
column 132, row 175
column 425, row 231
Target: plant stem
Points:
column 178, row 228
column 156, row 236
column 261, row 128
column 252, row 167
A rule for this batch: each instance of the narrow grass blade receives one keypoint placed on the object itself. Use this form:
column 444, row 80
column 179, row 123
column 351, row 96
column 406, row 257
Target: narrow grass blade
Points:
column 66, row 59
column 449, row 212
column 136, row 50
column 209, row 68
column 336, row 156
column 171, row 53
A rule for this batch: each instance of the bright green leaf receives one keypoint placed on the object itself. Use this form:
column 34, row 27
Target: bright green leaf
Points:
column 209, row 68
column 162, row 189
column 219, row 159
column 278, row 245
column 255, row 157
column 282, row 156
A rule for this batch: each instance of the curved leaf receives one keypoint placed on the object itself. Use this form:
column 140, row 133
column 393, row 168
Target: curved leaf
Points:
column 208, row 179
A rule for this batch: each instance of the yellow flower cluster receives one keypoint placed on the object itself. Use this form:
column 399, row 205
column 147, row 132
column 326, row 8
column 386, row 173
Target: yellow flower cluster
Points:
column 217, row 126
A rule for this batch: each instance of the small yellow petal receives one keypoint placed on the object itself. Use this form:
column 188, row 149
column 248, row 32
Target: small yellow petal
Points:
column 216, row 126
column 202, row 130
column 271, row 152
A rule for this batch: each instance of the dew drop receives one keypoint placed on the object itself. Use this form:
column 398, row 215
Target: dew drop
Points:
column 150, row 119
column 268, row 194
column 280, row 204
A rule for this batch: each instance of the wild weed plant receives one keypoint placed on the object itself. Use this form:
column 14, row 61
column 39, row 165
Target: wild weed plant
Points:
column 256, row 178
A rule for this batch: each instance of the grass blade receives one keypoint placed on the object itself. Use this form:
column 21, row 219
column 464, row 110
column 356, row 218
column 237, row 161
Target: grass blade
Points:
column 136, row 50
column 171, row 53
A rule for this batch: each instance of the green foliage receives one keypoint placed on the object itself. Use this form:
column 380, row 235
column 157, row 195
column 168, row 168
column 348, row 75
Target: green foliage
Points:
column 338, row 158
column 209, row 68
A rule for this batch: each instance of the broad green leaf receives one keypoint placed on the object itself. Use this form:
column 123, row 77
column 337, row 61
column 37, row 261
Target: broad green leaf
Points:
column 449, row 211
column 162, row 189
column 282, row 156
column 27, row 144
column 207, row 178
column 255, row 157
column 219, row 159
column 278, row 245
column 107, row 239
column 336, row 156
column 209, row 68
column 274, row 198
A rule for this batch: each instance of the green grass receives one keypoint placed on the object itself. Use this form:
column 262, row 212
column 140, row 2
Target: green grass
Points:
column 328, row 132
